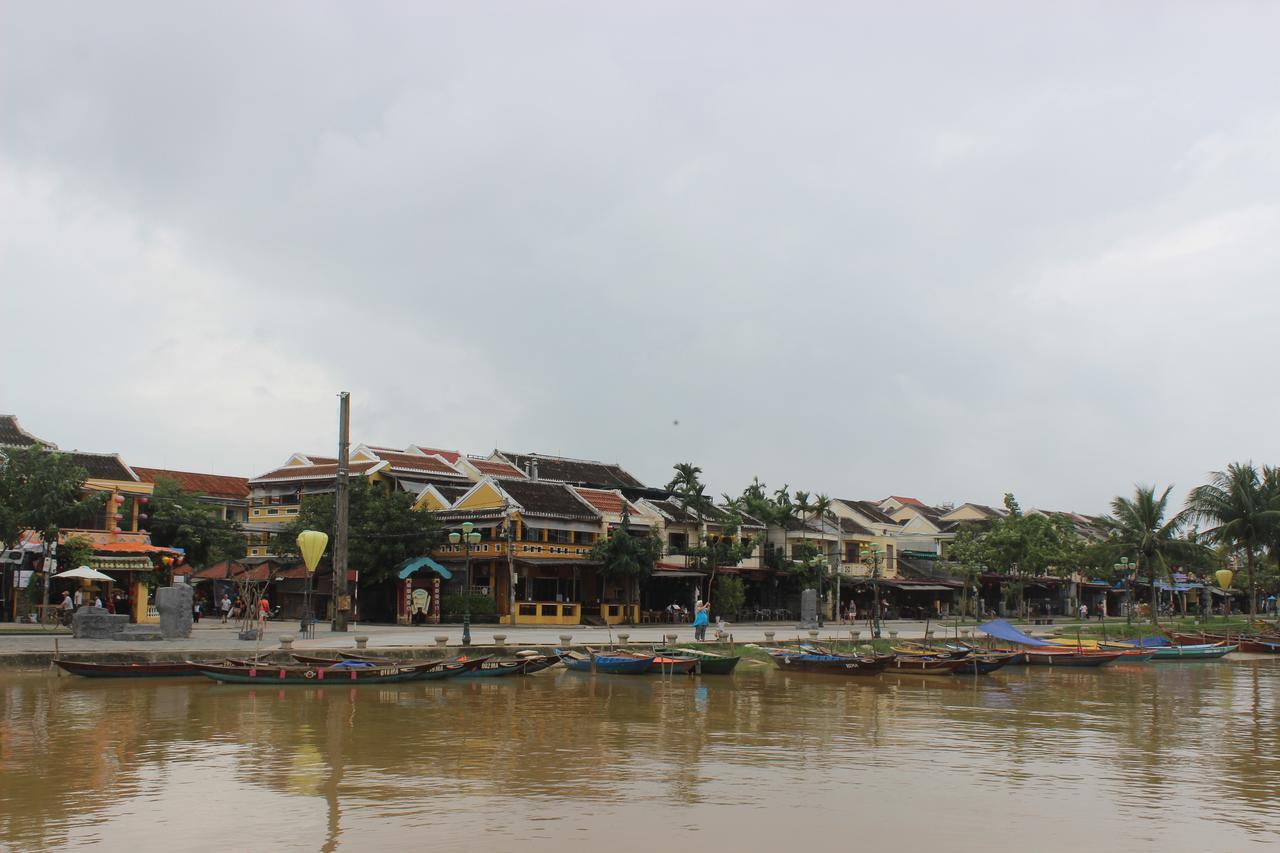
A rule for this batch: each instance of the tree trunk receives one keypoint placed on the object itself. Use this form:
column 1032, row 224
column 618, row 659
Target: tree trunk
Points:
column 1155, row 596
column 1253, row 598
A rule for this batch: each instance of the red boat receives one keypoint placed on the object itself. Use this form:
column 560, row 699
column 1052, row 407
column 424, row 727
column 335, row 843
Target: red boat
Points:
column 174, row 669
column 1071, row 657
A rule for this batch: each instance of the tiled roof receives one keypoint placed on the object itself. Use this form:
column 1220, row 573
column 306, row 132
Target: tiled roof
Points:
column 451, row 456
column 540, row 498
column 907, row 501
column 584, row 471
column 603, row 500
column 496, row 468
column 214, row 485
column 868, row 509
column 849, row 527
column 681, row 515
column 414, row 462
column 102, row 466
column 310, row 472
column 13, row 435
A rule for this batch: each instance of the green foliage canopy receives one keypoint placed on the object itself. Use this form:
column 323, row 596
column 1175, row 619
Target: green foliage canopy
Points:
column 180, row 520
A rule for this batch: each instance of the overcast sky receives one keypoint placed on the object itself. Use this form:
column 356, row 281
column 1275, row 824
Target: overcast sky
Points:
column 945, row 250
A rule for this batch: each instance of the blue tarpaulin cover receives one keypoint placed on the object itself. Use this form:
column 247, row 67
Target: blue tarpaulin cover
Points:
column 1002, row 630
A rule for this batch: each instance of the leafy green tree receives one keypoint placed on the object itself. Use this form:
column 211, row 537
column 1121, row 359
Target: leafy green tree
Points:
column 384, row 529
column 730, row 595
column 969, row 557
column 180, row 520
column 1024, row 546
column 41, row 490
column 624, row 555
column 1242, row 513
column 1139, row 525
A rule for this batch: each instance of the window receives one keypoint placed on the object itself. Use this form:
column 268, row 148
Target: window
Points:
column 560, row 537
column 586, row 538
column 677, row 542
column 275, row 511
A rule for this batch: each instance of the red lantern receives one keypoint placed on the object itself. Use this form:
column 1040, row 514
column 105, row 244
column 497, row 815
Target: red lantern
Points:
column 144, row 500
column 119, row 517
column 167, row 560
column 119, row 499
column 115, row 530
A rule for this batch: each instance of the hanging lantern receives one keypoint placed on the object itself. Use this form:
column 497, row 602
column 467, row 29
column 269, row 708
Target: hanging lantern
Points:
column 144, row 500
column 142, row 516
column 1224, row 577
column 116, row 530
column 167, row 560
column 311, row 543
column 119, row 517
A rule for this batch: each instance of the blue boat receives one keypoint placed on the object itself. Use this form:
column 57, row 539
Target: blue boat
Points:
column 608, row 664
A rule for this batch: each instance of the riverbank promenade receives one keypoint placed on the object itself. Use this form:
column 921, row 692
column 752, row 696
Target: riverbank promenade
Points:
column 212, row 638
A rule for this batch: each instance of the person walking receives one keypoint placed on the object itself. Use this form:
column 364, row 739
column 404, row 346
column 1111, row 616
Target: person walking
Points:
column 225, row 606
column 195, row 610
column 700, row 620
column 1084, row 612
column 67, row 607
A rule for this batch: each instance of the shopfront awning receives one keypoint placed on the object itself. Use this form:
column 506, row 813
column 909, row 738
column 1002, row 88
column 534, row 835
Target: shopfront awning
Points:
column 414, row 564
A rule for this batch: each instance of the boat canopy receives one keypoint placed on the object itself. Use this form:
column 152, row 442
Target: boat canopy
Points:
column 1145, row 642
column 1002, row 630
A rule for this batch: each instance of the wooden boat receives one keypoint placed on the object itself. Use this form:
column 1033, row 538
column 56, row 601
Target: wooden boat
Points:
column 606, row 664
column 944, row 651
column 168, row 669
column 539, row 663
column 312, row 660
column 341, row 675
column 919, row 665
column 1070, row 657
column 981, row 664
column 1199, row 651
column 662, row 663
column 830, row 664
column 1245, row 642
column 709, row 663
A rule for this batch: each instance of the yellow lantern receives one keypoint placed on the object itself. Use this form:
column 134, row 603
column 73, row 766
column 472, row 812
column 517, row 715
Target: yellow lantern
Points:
column 312, row 544
column 1224, row 577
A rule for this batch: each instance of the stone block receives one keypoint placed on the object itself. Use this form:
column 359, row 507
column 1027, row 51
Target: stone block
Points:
column 362, row 642
column 809, row 608
column 95, row 623
column 174, row 605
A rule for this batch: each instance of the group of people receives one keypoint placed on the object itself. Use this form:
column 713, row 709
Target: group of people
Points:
column 70, row 604
column 232, row 610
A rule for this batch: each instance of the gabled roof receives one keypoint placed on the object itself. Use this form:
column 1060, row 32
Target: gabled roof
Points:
column 608, row 501
column 869, row 510
column 419, row 463
column 557, row 500
column 328, row 471
column 213, row 485
column 674, row 512
column 450, row 456
column 579, row 471
column 849, row 527
column 13, row 435
column 496, row 467
column 102, row 466
column 905, row 501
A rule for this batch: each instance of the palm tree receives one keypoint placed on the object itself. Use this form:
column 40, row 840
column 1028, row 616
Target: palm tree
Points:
column 1139, row 524
column 1242, row 512
column 822, row 509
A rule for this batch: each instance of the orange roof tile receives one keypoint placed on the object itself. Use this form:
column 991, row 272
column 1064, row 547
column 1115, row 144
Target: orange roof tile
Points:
column 214, row 485
column 602, row 499
column 497, row 468
column 311, row 472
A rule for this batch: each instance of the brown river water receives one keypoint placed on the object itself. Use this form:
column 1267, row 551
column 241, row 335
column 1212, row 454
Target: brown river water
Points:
column 1169, row 757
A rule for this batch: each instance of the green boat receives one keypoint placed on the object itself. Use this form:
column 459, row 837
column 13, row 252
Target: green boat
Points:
column 1199, row 651
column 709, row 663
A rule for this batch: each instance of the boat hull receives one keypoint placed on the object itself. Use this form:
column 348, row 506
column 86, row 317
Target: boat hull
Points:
column 175, row 669
column 1072, row 658
column 274, row 674
column 830, row 664
column 606, row 665
column 708, row 664
column 981, row 664
column 1193, row 652
column 916, row 665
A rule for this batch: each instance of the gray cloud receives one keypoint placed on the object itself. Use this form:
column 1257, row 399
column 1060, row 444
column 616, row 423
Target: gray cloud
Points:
column 943, row 252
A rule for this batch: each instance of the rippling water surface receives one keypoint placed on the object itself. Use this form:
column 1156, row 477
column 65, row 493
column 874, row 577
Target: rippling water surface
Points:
column 1153, row 756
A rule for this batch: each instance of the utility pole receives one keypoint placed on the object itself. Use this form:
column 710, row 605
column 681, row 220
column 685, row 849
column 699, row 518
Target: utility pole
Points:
column 341, row 598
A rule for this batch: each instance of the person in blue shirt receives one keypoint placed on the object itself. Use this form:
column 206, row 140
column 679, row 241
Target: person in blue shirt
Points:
column 700, row 620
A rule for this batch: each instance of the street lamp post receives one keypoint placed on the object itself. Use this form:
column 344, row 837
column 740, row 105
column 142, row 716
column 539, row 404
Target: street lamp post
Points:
column 467, row 537
column 875, row 592
column 1123, row 568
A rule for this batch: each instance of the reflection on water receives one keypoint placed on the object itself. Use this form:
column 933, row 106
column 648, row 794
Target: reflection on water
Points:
column 1168, row 756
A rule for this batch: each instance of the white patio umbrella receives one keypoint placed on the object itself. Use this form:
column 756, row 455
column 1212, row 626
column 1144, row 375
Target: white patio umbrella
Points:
column 85, row 573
